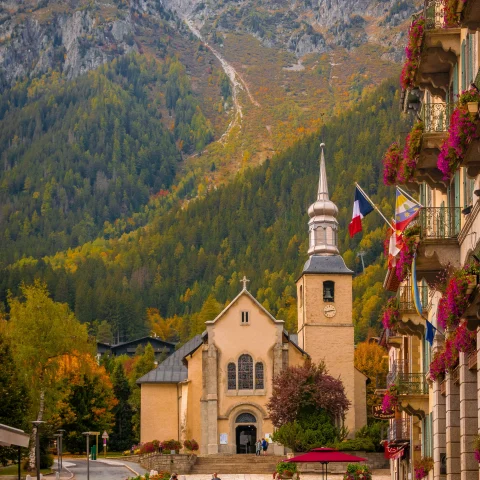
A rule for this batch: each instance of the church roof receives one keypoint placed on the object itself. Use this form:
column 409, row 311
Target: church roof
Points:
column 333, row 264
column 244, row 291
column 172, row 369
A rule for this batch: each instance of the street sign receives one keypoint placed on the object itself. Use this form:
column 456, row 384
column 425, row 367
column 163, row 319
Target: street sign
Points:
column 105, row 435
column 379, row 413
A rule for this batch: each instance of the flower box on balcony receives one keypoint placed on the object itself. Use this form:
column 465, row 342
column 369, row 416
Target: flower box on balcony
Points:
column 472, row 283
column 472, row 108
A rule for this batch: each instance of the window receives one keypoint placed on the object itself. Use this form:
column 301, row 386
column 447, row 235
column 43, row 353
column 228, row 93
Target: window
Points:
column 245, row 372
column 246, row 418
column 259, row 383
column 245, row 318
column 301, row 295
column 232, row 376
column 328, row 291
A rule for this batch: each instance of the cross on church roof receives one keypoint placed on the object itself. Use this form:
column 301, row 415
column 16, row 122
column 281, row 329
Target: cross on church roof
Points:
column 244, row 280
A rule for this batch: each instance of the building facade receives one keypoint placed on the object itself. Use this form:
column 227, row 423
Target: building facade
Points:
column 215, row 388
column 436, row 386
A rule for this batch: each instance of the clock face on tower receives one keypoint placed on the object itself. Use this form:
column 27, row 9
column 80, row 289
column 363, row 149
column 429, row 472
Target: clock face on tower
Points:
column 329, row 310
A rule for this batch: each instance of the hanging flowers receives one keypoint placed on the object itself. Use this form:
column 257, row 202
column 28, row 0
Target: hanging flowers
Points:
column 412, row 52
column 476, row 448
column 455, row 300
column 462, row 130
column 422, row 467
column 391, row 162
column 450, row 355
column 390, row 314
column 437, row 366
column 390, row 399
column 450, row 15
column 405, row 257
column 465, row 340
column 411, row 153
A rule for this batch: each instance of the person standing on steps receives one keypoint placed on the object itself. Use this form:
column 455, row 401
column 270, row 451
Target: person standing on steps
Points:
column 258, row 447
column 264, row 446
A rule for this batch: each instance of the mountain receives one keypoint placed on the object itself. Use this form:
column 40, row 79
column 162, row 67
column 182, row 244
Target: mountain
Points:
column 185, row 259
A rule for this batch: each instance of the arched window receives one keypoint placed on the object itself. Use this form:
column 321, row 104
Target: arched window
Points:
column 246, row 418
column 245, row 372
column 328, row 291
column 232, row 376
column 259, row 379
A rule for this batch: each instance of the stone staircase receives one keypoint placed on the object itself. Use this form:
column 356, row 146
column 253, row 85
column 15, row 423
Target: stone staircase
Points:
column 235, row 464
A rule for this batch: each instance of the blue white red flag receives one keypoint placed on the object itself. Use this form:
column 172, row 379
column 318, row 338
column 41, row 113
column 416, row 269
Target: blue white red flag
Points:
column 361, row 208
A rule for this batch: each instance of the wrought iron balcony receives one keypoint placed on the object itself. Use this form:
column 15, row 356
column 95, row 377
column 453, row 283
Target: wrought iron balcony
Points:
column 434, row 13
column 399, row 430
column 440, row 223
column 405, row 299
column 436, row 116
column 412, row 384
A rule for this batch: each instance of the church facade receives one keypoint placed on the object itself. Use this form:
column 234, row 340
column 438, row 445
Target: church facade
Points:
column 215, row 388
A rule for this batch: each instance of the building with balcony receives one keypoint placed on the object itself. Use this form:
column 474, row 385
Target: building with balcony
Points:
column 437, row 386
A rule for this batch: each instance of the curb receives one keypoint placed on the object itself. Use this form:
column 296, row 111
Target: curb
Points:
column 119, row 465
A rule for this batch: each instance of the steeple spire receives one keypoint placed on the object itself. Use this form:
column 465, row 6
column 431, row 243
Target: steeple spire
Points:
column 322, row 183
column 323, row 224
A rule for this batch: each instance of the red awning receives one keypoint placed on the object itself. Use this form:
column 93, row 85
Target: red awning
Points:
column 326, row 455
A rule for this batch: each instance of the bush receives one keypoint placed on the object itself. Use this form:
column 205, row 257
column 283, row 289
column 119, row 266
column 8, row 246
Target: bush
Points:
column 374, row 431
column 357, row 472
column 46, row 460
column 286, row 467
column 364, row 444
column 191, row 445
column 172, row 445
column 147, row 447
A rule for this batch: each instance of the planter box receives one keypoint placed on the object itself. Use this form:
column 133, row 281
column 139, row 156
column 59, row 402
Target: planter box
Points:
column 472, row 283
column 472, row 108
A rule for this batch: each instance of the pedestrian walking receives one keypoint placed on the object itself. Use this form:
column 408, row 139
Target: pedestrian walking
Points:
column 264, row 446
column 258, row 447
column 215, row 477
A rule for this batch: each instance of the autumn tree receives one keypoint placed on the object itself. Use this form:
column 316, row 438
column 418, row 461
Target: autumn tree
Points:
column 41, row 333
column 370, row 359
column 306, row 406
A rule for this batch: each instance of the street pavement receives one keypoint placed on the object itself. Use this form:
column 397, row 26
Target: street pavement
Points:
column 103, row 469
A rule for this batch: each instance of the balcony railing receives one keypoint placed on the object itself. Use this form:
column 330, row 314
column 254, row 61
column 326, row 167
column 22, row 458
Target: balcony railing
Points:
column 405, row 299
column 436, row 116
column 439, row 222
column 434, row 12
column 412, row 384
column 399, row 430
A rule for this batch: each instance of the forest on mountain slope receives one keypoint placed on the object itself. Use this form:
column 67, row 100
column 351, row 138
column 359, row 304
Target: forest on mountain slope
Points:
column 104, row 148
column 181, row 267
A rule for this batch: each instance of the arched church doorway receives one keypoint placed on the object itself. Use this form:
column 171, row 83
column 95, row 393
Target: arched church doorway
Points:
column 246, row 433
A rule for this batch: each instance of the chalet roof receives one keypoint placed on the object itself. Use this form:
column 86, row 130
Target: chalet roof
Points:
column 148, row 338
column 172, row 369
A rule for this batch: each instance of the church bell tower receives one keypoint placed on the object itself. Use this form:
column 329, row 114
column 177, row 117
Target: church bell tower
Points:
column 324, row 297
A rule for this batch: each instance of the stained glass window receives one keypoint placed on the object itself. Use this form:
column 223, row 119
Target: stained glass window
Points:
column 246, row 418
column 245, row 372
column 259, row 383
column 232, row 376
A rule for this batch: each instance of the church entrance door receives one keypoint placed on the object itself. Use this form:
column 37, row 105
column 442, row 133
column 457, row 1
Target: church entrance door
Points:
column 246, row 437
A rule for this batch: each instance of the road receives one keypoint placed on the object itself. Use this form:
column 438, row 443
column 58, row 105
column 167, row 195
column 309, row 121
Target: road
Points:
column 113, row 470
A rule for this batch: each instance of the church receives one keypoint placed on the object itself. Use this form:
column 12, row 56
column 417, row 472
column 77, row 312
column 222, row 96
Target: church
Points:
column 215, row 387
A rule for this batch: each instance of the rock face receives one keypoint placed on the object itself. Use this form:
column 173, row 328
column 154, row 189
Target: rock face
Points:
column 71, row 42
column 304, row 26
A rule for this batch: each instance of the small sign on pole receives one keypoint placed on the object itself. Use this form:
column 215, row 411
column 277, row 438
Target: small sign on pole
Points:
column 105, row 438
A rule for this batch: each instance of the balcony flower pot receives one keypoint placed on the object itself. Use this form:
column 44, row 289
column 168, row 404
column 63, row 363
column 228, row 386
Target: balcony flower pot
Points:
column 472, row 108
column 472, row 283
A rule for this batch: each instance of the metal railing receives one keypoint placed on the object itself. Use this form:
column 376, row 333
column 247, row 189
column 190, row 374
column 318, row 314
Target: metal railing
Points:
column 439, row 222
column 434, row 13
column 405, row 298
column 399, row 430
column 436, row 116
column 412, row 384
column 398, row 367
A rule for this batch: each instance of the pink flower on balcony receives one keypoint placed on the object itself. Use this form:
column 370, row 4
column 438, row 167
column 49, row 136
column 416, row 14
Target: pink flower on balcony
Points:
column 465, row 340
column 390, row 315
column 391, row 162
column 413, row 52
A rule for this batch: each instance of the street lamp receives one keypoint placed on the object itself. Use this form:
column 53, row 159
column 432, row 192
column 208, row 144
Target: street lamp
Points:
column 36, row 424
column 58, row 436
column 87, row 434
column 61, row 432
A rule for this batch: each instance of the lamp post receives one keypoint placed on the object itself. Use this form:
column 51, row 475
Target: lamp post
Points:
column 61, row 432
column 36, row 424
column 87, row 434
column 57, row 436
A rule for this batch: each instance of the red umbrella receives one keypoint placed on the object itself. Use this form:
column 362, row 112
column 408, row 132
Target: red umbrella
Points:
column 325, row 456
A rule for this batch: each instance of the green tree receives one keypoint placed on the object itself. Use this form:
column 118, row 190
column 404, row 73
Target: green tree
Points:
column 42, row 333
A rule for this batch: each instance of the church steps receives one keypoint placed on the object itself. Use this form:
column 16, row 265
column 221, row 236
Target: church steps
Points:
column 236, row 464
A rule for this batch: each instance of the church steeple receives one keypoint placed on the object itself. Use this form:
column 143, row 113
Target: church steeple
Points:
column 323, row 224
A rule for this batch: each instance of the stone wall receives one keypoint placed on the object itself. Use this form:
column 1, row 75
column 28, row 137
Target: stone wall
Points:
column 181, row 464
column 375, row 460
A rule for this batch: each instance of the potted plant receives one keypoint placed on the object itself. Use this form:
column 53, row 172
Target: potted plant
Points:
column 191, row 445
column 286, row 469
column 390, row 314
column 390, row 399
column 470, row 99
column 357, row 472
column 422, row 467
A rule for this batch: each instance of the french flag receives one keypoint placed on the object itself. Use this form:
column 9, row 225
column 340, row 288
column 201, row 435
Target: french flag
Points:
column 361, row 207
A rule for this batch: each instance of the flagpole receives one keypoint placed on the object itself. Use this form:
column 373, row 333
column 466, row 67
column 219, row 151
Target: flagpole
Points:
column 410, row 197
column 374, row 206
